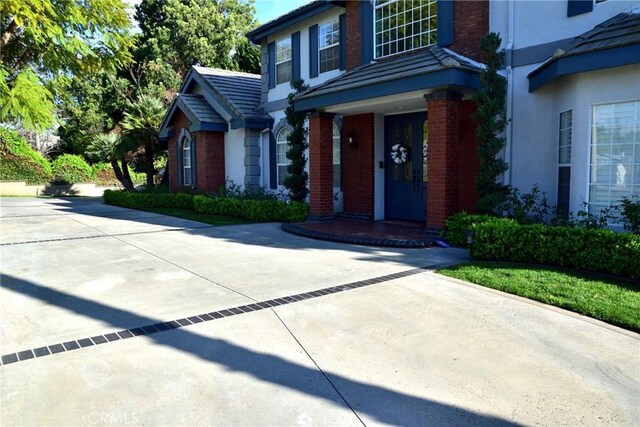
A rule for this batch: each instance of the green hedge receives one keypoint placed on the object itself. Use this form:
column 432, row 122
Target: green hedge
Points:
column 71, row 168
column 456, row 226
column 252, row 210
column 586, row 249
column 148, row 200
column 20, row 162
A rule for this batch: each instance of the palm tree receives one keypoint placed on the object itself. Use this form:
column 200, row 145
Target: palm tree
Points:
column 140, row 124
column 109, row 147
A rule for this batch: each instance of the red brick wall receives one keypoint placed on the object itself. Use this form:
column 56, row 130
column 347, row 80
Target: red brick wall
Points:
column 210, row 171
column 353, row 36
column 179, row 122
column 321, row 165
column 468, row 165
column 358, row 164
column 442, row 197
column 471, row 24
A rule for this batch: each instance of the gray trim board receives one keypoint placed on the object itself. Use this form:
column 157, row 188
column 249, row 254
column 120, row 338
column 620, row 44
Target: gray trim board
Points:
column 271, row 63
column 278, row 105
column 442, row 78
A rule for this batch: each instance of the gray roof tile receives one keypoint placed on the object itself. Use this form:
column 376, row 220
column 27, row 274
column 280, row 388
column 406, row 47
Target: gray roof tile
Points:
column 199, row 107
column 622, row 29
column 423, row 61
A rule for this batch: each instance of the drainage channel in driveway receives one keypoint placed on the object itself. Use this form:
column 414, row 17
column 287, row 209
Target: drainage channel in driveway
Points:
column 153, row 328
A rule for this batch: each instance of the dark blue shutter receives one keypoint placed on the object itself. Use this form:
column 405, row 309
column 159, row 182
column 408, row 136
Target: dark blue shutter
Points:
column 295, row 55
column 313, row 51
column 578, row 7
column 564, row 190
column 366, row 31
column 271, row 59
column 273, row 166
column 343, row 41
column 445, row 22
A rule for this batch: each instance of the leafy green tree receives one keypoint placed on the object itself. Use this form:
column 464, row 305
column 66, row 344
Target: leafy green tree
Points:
column 140, row 126
column 298, row 178
column 210, row 33
column 492, row 120
column 109, row 147
column 42, row 41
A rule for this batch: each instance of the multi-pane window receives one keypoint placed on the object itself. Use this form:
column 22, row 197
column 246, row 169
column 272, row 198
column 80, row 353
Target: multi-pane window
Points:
column 615, row 154
column 186, row 162
column 282, row 162
column 283, row 61
column 336, row 156
column 329, row 46
column 403, row 25
column 564, row 161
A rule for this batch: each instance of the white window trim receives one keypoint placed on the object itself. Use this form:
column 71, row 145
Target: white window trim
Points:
column 590, row 151
column 285, row 61
column 375, row 41
column 320, row 49
column 284, row 131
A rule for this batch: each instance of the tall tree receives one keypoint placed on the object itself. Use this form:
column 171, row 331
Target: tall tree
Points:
column 298, row 177
column 492, row 121
column 45, row 40
column 109, row 147
column 210, row 33
column 140, row 125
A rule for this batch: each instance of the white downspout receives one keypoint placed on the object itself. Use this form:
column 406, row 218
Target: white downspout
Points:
column 510, row 95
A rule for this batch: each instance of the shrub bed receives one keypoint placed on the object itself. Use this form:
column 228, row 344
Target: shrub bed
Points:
column 586, row 249
column 70, row 168
column 148, row 200
column 456, row 226
column 20, row 162
column 266, row 210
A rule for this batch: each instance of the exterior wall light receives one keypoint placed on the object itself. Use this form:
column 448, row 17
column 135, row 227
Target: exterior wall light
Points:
column 352, row 142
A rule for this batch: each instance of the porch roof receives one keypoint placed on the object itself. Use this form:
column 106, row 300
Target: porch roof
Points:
column 200, row 114
column 426, row 68
column 613, row 43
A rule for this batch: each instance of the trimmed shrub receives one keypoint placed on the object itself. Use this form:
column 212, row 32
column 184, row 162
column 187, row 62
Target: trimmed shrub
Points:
column 71, row 168
column 20, row 162
column 457, row 226
column 148, row 200
column 586, row 249
column 266, row 210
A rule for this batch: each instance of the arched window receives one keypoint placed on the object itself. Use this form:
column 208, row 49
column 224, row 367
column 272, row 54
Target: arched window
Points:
column 186, row 154
column 282, row 162
column 336, row 156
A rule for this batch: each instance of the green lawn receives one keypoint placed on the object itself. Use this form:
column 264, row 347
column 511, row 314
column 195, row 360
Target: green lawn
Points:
column 195, row 216
column 615, row 301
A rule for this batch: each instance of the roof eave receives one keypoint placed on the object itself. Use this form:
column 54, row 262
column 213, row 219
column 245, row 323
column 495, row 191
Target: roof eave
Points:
column 584, row 62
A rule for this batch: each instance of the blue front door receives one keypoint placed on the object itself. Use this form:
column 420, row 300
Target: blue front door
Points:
column 406, row 166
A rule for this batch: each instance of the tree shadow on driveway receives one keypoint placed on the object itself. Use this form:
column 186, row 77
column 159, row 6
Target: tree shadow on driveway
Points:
column 381, row 404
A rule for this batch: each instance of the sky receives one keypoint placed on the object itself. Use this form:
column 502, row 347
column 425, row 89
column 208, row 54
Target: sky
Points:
column 266, row 10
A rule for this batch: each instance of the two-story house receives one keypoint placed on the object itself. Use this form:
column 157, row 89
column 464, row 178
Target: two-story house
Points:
column 390, row 128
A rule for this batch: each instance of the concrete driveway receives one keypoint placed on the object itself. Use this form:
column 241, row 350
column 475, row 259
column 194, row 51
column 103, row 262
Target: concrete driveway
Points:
column 117, row 317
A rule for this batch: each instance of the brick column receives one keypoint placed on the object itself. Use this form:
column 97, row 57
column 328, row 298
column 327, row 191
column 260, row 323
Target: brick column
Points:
column 210, row 170
column 321, row 166
column 358, row 165
column 442, row 197
column 353, row 36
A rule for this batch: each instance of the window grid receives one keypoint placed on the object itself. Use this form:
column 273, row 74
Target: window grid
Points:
column 404, row 25
column 186, row 161
column 564, row 138
column 329, row 46
column 615, row 154
column 282, row 162
column 284, row 64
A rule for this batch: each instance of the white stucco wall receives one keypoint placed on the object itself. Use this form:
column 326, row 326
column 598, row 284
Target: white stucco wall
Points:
column 234, row 155
column 544, row 21
column 282, row 90
column 535, row 121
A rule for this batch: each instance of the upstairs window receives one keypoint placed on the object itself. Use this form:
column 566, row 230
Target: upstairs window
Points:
column 404, row 25
column 329, row 45
column 284, row 63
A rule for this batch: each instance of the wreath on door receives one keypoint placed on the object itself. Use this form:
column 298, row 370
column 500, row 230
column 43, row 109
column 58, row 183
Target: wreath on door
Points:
column 399, row 154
